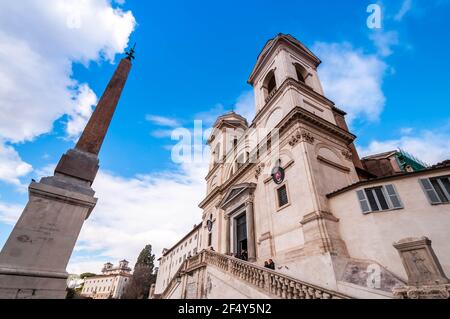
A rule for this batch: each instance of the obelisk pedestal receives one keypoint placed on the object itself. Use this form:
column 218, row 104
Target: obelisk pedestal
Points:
column 34, row 259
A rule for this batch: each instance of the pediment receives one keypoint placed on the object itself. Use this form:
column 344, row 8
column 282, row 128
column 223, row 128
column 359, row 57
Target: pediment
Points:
column 235, row 192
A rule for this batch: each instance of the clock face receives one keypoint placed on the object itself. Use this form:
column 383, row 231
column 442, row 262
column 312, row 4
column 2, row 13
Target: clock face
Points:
column 278, row 175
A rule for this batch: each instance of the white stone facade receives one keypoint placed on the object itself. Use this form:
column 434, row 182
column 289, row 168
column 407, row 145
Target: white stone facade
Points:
column 110, row 285
column 173, row 258
column 312, row 231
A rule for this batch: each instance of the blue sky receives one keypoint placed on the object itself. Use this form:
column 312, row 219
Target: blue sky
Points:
column 193, row 62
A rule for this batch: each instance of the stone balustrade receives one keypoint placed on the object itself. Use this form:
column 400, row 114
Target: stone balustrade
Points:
column 276, row 284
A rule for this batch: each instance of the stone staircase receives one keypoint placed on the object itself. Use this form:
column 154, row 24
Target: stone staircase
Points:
column 269, row 282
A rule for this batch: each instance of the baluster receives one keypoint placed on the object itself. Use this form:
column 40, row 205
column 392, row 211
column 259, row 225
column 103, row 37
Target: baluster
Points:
column 312, row 293
column 256, row 277
column 285, row 286
column 266, row 281
column 319, row 294
column 305, row 291
column 289, row 289
column 301, row 294
column 296, row 291
column 279, row 287
column 272, row 285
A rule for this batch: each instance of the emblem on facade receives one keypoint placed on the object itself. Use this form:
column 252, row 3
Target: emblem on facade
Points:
column 278, row 175
column 301, row 136
column 209, row 224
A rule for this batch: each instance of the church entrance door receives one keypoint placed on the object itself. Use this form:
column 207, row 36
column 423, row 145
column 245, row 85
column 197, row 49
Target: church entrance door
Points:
column 241, row 234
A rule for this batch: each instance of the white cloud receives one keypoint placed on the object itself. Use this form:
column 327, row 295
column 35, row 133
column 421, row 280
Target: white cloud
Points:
column 132, row 212
column 12, row 167
column 352, row 79
column 406, row 130
column 245, row 105
column 162, row 133
column 429, row 146
column 404, row 9
column 384, row 41
column 79, row 117
column 162, row 120
column 9, row 213
column 39, row 42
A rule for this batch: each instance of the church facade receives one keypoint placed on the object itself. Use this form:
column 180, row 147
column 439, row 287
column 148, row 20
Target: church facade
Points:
column 291, row 187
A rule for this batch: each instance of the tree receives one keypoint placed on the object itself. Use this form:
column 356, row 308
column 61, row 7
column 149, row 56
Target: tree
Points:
column 87, row 275
column 143, row 276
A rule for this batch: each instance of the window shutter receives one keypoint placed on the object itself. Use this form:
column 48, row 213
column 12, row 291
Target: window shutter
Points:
column 393, row 196
column 429, row 190
column 363, row 202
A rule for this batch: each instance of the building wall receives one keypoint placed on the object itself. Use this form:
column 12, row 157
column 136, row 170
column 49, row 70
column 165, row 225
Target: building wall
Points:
column 371, row 236
column 173, row 259
column 103, row 287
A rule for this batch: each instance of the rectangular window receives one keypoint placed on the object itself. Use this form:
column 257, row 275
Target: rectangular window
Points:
column 377, row 199
column 282, row 196
column 437, row 189
column 209, row 239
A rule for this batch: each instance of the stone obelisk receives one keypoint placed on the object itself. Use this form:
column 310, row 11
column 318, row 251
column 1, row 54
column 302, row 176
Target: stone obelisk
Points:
column 34, row 259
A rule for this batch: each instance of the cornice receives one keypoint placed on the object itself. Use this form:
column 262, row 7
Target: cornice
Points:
column 297, row 114
column 302, row 87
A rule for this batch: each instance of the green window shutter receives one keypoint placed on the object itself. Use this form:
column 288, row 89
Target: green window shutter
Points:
column 393, row 196
column 430, row 191
column 363, row 202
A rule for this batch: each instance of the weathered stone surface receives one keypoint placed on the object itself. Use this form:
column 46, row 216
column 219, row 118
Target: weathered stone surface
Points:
column 93, row 135
column 423, row 292
column 34, row 259
column 370, row 275
column 421, row 263
column 78, row 164
column 36, row 254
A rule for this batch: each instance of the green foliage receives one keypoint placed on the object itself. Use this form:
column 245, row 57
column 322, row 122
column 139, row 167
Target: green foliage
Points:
column 146, row 258
column 87, row 275
column 143, row 276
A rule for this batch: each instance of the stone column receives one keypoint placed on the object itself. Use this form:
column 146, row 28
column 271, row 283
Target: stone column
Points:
column 251, row 246
column 227, row 234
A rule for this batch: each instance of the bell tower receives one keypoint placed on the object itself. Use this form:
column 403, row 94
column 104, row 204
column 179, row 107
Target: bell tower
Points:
column 227, row 130
column 316, row 148
column 285, row 76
